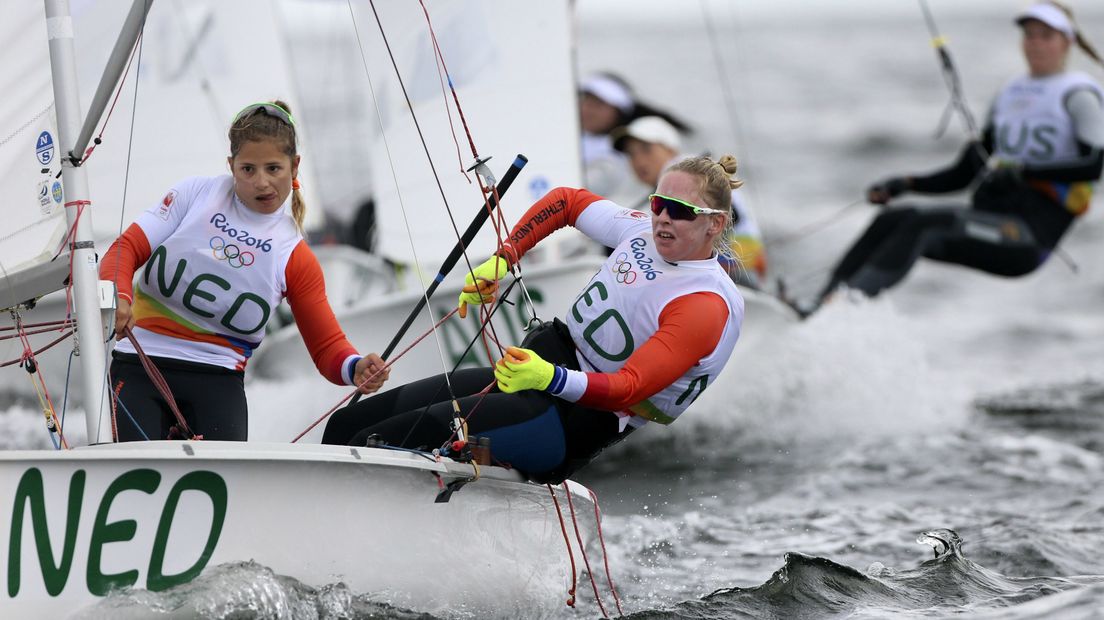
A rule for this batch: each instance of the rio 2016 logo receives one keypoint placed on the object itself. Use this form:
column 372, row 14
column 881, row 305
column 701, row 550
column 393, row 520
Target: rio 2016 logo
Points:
column 232, row 254
column 622, row 269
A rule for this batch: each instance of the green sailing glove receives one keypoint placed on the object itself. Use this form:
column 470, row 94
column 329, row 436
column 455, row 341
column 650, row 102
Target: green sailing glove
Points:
column 523, row 369
column 482, row 283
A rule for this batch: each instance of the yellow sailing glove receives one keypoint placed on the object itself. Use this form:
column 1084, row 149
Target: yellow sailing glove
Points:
column 482, row 283
column 523, row 369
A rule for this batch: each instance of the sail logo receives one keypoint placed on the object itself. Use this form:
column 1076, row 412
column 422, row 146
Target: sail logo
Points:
column 57, row 192
column 44, row 201
column 44, row 148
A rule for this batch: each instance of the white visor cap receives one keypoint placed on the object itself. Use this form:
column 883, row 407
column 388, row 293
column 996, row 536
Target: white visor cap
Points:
column 650, row 129
column 609, row 90
column 1050, row 15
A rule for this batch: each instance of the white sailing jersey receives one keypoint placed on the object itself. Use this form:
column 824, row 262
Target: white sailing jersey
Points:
column 619, row 309
column 216, row 274
column 1030, row 120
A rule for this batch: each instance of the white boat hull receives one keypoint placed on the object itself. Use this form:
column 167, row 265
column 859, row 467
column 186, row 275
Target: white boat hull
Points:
column 155, row 514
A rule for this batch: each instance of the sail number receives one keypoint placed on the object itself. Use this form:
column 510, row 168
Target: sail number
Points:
column 29, row 497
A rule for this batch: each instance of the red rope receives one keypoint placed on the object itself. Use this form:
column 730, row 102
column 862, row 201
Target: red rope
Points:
column 605, row 554
column 441, row 59
column 36, row 331
column 582, row 551
column 59, row 324
column 21, row 359
column 567, row 542
column 181, row 428
column 31, row 365
column 373, row 375
column 118, row 92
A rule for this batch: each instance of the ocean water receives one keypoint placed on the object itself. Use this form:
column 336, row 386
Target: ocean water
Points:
column 936, row 452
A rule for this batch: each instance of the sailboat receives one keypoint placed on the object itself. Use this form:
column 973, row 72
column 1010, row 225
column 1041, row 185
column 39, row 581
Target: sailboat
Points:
column 414, row 529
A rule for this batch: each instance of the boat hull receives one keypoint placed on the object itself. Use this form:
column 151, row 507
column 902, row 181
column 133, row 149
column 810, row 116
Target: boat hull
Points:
column 153, row 515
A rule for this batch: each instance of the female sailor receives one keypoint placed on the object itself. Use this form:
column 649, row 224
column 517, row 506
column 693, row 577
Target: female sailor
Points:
column 219, row 254
column 649, row 333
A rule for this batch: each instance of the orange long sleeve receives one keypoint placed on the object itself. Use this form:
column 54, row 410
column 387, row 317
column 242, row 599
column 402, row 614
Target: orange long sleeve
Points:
column 306, row 294
column 557, row 209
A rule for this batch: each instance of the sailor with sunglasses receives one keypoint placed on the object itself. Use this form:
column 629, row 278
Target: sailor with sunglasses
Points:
column 641, row 342
column 652, row 145
column 220, row 253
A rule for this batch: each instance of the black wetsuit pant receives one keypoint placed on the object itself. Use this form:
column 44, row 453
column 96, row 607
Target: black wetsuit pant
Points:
column 1006, row 234
column 211, row 399
column 542, row 436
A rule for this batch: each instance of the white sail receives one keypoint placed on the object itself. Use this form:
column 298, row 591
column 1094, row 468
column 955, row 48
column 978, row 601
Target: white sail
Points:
column 511, row 65
column 200, row 64
column 30, row 162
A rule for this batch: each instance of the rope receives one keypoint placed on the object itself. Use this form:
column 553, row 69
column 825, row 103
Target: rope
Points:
column 181, row 428
column 813, row 227
column 582, row 551
column 30, row 364
column 118, row 91
column 373, row 375
column 605, row 554
column 567, row 543
column 36, row 352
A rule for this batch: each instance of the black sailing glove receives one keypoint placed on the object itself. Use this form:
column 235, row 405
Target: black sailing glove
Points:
column 883, row 192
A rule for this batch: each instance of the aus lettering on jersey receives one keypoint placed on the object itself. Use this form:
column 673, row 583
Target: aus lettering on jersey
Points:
column 539, row 217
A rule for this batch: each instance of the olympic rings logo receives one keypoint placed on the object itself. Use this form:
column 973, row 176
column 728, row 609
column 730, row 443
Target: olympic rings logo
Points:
column 622, row 269
column 232, row 254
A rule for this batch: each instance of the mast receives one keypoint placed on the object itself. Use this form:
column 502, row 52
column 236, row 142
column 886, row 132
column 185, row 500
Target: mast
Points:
column 88, row 295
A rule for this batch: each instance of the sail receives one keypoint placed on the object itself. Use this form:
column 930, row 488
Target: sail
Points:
column 33, row 213
column 511, row 65
column 201, row 62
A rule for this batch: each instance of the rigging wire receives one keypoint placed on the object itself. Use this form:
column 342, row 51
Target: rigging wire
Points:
column 395, row 177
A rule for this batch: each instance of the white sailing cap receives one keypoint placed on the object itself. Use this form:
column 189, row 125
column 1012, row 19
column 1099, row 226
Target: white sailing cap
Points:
column 609, row 90
column 650, row 129
column 1050, row 15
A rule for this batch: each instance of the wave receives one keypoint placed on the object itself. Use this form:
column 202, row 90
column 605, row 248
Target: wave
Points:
column 244, row 590
column 948, row 584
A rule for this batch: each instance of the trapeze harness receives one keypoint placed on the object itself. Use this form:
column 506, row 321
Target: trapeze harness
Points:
column 1051, row 126
column 641, row 342
column 202, row 302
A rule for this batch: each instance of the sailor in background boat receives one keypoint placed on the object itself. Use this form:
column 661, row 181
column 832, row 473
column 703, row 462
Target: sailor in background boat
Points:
column 649, row 333
column 652, row 145
column 220, row 253
column 606, row 102
column 1040, row 151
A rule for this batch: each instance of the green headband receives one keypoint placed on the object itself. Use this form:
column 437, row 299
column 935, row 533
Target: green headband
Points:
column 271, row 109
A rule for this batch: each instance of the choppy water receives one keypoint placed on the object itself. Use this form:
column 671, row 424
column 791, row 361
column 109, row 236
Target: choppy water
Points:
column 800, row 488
